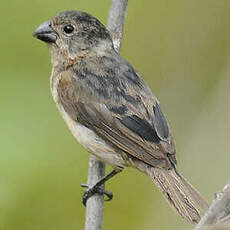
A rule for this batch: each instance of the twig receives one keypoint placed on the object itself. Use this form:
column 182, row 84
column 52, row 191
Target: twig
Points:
column 94, row 207
column 116, row 21
column 219, row 210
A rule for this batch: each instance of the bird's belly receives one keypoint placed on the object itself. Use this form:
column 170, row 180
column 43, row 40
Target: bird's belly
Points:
column 89, row 139
column 93, row 143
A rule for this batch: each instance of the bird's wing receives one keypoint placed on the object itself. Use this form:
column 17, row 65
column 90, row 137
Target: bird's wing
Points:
column 122, row 110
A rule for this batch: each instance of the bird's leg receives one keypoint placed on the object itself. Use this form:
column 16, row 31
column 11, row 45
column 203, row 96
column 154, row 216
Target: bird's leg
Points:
column 97, row 188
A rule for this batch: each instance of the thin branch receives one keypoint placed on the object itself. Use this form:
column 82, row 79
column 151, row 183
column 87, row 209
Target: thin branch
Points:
column 94, row 207
column 219, row 210
column 116, row 21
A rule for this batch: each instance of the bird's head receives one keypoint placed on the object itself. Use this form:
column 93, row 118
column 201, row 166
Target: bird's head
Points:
column 73, row 33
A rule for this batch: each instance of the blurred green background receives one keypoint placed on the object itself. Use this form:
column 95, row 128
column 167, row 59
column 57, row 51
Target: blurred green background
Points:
column 182, row 50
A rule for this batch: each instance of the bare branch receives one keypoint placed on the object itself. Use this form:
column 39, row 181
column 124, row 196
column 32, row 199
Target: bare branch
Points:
column 219, row 210
column 116, row 21
column 94, row 207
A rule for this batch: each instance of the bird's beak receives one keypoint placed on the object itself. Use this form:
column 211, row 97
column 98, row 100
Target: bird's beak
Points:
column 46, row 33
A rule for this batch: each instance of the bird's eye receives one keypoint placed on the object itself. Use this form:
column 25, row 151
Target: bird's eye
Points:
column 68, row 29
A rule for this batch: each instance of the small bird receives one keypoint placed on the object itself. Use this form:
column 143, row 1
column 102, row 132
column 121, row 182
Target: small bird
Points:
column 110, row 110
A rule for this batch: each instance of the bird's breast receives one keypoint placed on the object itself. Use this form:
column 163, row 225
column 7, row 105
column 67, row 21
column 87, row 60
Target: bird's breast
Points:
column 86, row 137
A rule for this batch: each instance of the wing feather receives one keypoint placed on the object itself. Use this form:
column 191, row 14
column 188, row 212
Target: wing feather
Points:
column 121, row 109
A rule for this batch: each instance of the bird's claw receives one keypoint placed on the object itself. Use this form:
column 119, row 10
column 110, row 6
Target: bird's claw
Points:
column 93, row 190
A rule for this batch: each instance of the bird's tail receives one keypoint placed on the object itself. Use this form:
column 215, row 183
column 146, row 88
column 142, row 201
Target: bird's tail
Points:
column 179, row 193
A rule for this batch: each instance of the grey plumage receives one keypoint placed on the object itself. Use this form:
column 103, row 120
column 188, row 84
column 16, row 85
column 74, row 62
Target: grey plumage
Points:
column 110, row 109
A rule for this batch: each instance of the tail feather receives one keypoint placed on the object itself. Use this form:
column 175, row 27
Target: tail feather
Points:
column 179, row 193
column 198, row 199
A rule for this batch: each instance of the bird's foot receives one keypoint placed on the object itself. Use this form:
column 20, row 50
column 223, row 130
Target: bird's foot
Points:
column 96, row 189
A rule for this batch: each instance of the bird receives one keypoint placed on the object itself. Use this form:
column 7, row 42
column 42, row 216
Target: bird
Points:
column 110, row 109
